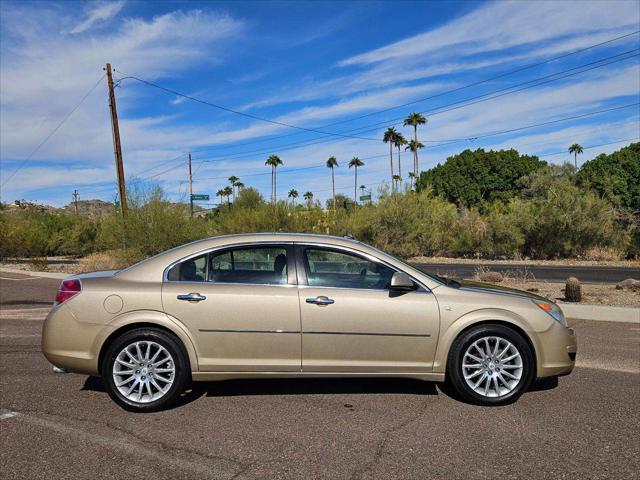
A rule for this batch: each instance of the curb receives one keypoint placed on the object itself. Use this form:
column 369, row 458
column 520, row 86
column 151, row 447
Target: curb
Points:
column 36, row 274
column 601, row 313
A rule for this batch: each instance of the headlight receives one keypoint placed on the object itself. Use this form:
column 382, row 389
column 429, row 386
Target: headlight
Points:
column 553, row 310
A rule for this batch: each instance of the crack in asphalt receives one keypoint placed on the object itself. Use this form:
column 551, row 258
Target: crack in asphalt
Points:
column 163, row 446
column 377, row 456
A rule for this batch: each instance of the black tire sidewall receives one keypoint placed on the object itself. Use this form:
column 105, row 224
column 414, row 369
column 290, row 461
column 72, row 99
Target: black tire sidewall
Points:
column 454, row 364
column 173, row 346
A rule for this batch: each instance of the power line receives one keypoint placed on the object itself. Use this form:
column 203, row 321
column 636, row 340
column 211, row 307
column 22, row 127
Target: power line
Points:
column 446, row 92
column 345, row 135
column 416, row 101
column 53, row 132
column 226, row 109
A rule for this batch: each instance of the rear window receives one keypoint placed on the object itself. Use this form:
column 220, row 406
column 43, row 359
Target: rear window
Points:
column 248, row 265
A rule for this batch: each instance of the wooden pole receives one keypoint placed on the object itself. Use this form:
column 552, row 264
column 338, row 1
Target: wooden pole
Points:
column 117, row 148
column 190, row 188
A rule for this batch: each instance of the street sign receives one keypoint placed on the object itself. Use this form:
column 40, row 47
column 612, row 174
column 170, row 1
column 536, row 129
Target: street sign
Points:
column 365, row 197
column 199, row 196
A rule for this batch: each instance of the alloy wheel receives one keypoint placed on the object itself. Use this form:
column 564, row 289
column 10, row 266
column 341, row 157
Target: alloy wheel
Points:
column 492, row 366
column 143, row 371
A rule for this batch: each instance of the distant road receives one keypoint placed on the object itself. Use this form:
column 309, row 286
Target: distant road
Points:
column 539, row 272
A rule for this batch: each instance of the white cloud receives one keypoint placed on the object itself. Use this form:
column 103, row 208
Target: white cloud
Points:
column 502, row 25
column 44, row 73
column 101, row 11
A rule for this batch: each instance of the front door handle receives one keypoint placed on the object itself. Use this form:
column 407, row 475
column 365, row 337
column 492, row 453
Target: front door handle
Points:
column 192, row 297
column 321, row 300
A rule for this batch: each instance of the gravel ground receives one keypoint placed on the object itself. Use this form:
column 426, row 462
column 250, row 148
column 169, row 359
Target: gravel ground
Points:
column 602, row 294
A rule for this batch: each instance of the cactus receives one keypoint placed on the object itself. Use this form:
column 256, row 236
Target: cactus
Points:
column 573, row 290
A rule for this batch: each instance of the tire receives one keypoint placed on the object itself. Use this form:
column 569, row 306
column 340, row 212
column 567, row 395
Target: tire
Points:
column 492, row 379
column 158, row 377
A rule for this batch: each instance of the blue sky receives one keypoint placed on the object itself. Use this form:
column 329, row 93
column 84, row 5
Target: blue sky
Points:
column 316, row 65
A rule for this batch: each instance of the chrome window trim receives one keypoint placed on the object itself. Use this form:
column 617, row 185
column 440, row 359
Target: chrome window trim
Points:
column 366, row 255
column 206, row 251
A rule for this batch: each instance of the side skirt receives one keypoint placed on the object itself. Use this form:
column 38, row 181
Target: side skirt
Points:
column 213, row 376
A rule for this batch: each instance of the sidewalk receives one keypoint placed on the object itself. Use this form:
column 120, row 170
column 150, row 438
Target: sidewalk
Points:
column 35, row 274
column 600, row 313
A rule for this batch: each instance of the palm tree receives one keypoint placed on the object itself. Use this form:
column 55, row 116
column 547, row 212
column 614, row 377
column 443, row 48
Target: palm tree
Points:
column 355, row 162
column 389, row 137
column 293, row 194
column 238, row 185
column 232, row 180
column 396, row 181
column 332, row 163
column 414, row 146
column 220, row 194
column 415, row 119
column 274, row 162
column 412, row 176
column 575, row 149
column 308, row 196
column 399, row 142
column 227, row 192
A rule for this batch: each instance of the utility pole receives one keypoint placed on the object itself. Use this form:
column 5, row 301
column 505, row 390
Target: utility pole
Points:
column 75, row 200
column 190, row 188
column 117, row 149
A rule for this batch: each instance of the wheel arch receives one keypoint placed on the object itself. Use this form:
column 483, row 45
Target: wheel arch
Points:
column 156, row 320
column 482, row 317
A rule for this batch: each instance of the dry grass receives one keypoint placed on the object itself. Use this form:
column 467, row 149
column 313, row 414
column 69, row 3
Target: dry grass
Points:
column 603, row 254
column 112, row 260
column 38, row 264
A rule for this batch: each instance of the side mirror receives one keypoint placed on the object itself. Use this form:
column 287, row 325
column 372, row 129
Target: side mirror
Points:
column 401, row 282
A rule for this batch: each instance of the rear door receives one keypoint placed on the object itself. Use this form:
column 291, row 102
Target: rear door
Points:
column 351, row 322
column 241, row 306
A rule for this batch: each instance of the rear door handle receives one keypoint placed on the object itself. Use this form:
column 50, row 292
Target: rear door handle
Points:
column 321, row 300
column 192, row 297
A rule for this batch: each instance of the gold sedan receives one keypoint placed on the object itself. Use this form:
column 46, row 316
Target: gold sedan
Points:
column 294, row 305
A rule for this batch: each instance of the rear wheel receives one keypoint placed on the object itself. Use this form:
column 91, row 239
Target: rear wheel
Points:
column 490, row 365
column 145, row 370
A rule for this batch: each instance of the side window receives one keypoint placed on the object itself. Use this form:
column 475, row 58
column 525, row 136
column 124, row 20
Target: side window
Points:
column 192, row 270
column 330, row 268
column 256, row 265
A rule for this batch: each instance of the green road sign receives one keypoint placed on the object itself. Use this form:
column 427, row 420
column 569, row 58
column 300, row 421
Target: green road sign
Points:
column 365, row 197
column 199, row 196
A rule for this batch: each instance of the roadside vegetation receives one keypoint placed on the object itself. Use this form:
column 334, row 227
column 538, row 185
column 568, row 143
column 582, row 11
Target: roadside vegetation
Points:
column 479, row 204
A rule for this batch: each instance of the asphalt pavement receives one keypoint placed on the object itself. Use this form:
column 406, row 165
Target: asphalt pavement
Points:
column 548, row 273
column 65, row 426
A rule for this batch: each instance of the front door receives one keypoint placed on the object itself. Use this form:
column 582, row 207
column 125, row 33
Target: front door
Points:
column 351, row 322
column 241, row 306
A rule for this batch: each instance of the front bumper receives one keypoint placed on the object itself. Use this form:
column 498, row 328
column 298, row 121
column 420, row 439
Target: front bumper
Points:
column 557, row 351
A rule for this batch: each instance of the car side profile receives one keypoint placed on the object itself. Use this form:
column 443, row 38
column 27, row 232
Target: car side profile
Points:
column 295, row 305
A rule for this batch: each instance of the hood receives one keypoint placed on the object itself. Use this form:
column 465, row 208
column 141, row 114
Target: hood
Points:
column 490, row 288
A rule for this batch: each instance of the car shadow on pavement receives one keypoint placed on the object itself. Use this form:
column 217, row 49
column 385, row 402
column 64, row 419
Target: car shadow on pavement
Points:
column 311, row 386
column 288, row 386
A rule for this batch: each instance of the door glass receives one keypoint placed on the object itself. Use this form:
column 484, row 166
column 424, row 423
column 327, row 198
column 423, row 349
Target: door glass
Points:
column 192, row 270
column 252, row 265
column 329, row 268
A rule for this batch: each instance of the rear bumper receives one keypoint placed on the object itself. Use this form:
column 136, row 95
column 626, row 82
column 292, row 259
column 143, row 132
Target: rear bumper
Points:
column 557, row 352
column 69, row 344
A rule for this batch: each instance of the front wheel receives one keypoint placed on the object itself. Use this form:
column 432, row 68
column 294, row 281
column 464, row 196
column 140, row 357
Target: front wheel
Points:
column 145, row 370
column 490, row 365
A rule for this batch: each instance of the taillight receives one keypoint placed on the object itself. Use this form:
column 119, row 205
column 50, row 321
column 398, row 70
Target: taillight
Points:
column 67, row 289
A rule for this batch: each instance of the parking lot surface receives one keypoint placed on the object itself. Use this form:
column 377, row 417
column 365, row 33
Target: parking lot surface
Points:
column 65, row 426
